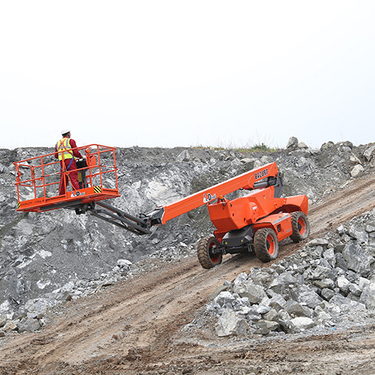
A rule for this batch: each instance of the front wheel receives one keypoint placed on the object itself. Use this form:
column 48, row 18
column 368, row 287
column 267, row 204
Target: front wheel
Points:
column 207, row 257
column 266, row 245
column 300, row 226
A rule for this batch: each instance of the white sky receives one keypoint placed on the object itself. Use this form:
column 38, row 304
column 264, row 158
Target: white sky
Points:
column 187, row 73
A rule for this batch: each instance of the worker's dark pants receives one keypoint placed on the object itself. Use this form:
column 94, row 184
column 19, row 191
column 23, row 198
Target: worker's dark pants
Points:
column 65, row 177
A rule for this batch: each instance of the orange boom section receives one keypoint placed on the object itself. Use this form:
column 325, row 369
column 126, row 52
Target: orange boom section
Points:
column 253, row 179
column 38, row 180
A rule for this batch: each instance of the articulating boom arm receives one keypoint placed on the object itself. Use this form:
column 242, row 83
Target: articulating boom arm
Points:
column 120, row 218
column 267, row 175
column 259, row 178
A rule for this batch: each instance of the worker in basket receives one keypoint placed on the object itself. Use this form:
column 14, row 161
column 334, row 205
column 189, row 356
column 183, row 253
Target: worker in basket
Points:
column 66, row 152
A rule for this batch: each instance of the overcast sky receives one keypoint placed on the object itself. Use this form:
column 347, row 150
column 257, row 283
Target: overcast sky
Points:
column 187, row 73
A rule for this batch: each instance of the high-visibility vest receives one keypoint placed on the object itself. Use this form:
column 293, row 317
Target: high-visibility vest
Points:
column 64, row 145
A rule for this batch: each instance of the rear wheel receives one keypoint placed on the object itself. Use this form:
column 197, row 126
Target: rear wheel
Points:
column 300, row 226
column 206, row 255
column 266, row 245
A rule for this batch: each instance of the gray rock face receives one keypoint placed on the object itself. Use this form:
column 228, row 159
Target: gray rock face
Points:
column 58, row 256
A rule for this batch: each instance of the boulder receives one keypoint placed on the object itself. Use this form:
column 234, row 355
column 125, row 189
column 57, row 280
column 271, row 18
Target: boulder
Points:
column 255, row 293
column 271, row 315
column 341, row 262
column 229, row 323
column 358, row 232
column 225, row 298
column 124, row 263
column 327, row 294
column 38, row 306
column 318, row 242
column 300, row 324
column 357, row 171
column 264, row 327
column 242, row 277
column 308, row 297
column 321, row 273
column 358, row 259
column 329, row 255
column 277, row 302
column 368, row 296
column 362, row 283
column 222, row 288
column 263, row 309
column 370, row 227
column 325, row 283
column 292, row 143
column 10, row 326
column 327, row 145
column 282, row 282
column 369, row 153
column 341, row 301
column 28, row 325
column 295, row 309
column 355, row 290
column 343, row 284
column 3, row 320
column 183, row 156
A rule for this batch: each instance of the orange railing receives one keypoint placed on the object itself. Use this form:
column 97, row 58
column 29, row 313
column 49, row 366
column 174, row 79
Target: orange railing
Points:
column 38, row 178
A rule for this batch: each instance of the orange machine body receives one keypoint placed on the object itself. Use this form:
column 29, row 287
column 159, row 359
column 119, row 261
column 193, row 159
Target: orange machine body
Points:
column 259, row 208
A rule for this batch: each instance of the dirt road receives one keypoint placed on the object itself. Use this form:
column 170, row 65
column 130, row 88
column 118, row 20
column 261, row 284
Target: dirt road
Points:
column 134, row 327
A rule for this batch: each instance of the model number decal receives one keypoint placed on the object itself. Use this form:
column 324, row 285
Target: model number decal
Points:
column 208, row 198
column 261, row 174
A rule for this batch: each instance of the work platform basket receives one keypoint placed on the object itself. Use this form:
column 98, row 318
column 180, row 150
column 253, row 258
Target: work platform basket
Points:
column 38, row 180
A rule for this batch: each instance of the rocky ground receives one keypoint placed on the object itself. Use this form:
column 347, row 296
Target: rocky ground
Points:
column 329, row 283
column 146, row 298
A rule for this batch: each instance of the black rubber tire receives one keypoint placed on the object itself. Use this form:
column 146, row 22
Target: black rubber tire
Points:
column 266, row 245
column 205, row 256
column 300, row 226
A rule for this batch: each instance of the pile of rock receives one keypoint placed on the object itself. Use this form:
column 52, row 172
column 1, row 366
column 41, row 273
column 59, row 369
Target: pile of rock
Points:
column 330, row 283
column 33, row 315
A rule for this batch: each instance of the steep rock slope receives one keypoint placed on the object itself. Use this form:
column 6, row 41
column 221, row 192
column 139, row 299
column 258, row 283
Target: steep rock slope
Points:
column 58, row 254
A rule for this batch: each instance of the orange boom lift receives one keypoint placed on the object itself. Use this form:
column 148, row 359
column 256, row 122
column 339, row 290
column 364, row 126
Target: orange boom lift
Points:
column 255, row 222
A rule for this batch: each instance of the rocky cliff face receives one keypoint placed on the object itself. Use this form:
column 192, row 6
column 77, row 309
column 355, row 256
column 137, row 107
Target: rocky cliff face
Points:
column 57, row 255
